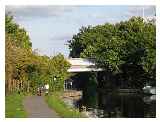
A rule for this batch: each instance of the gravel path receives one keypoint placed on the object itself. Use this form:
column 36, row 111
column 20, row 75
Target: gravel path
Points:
column 37, row 108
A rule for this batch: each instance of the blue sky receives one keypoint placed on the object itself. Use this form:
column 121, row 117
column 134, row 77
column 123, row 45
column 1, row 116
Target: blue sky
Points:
column 49, row 27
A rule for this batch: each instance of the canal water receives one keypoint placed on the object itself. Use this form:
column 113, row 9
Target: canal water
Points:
column 101, row 103
column 113, row 105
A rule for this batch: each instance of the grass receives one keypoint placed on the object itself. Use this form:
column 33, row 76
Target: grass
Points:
column 55, row 102
column 14, row 106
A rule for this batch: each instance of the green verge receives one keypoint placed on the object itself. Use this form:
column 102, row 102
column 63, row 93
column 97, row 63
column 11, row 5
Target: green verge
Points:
column 14, row 106
column 55, row 102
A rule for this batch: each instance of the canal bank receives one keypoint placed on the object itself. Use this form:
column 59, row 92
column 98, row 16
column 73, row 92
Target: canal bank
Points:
column 57, row 102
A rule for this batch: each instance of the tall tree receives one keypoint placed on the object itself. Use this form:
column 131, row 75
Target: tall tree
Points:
column 131, row 42
column 26, row 69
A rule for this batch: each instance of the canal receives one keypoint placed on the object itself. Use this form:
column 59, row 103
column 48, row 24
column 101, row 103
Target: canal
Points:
column 120, row 105
column 113, row 105
column 98, row 103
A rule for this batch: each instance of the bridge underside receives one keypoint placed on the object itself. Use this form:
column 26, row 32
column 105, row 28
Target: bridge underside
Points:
column 81, row 79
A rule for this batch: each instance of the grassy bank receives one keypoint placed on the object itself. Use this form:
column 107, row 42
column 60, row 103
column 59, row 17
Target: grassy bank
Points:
column 14, row 106
column 55, row 102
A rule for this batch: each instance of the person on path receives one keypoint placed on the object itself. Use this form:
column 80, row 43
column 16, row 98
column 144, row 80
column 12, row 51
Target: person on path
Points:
column 46, row 89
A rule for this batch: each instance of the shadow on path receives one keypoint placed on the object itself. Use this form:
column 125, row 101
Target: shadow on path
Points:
column 36, row 107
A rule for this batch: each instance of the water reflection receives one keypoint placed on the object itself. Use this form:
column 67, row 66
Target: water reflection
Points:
column 119, row 105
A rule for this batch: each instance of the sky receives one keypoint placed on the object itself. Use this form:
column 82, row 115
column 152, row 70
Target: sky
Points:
column 49, row 27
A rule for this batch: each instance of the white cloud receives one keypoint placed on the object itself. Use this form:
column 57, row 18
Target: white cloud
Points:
column 21, row 12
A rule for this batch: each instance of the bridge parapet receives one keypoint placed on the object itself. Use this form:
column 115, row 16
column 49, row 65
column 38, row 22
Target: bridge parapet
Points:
column 82, row 65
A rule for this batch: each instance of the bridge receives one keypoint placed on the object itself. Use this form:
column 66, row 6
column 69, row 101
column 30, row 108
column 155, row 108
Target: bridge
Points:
column 82, row 65
column 79, row 65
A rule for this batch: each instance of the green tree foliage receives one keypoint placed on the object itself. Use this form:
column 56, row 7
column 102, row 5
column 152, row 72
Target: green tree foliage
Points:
column 27, row 68
column 131, row 42
column 58, row 67
column 17, row 34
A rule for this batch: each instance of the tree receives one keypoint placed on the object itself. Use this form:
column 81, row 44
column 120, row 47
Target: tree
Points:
column 18, row 34
column 58, row 67
column 26, row 70
column 114, row 45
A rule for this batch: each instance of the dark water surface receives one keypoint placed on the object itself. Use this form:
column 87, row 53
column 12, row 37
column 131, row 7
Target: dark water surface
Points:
column 118, row 105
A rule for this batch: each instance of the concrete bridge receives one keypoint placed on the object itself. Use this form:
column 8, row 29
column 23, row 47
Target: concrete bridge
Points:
column 82, row 65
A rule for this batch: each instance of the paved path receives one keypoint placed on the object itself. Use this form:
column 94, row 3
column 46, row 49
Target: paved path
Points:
column 37, row 108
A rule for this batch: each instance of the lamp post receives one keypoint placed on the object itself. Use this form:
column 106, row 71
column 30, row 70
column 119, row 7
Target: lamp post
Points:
column 54, row 80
